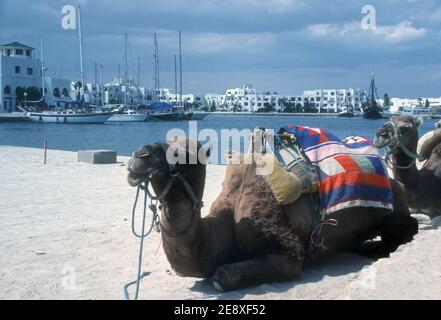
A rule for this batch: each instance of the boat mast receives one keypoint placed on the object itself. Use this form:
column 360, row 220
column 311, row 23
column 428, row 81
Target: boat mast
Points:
column 155, row 68
column 176, row 81
column 102, row 85
column 139, row 71
column 42, row 70
column 80, row 36
column 180, row 69
column 125, row 71
column 373, row 91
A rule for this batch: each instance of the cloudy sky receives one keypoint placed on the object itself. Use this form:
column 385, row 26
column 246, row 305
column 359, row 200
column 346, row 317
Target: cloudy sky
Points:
column 278, row 45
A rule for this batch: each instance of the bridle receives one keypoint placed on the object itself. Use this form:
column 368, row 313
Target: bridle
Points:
column 394, row 144
column 174, row 176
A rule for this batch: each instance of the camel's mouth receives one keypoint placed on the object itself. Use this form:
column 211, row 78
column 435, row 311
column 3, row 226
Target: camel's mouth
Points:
column 382, row 141
column 382, row 138
column 139, row 172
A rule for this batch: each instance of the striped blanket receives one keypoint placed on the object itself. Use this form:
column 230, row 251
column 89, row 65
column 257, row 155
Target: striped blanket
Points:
column 351, row 172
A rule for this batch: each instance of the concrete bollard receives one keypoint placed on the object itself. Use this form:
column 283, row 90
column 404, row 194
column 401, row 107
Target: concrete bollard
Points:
column 97, row 156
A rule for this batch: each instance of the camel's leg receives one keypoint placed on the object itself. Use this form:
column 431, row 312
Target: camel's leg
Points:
column 267, row 268
column 398, row 229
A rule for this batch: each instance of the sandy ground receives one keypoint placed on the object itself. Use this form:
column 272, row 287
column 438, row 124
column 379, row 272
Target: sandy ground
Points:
column 65, row 234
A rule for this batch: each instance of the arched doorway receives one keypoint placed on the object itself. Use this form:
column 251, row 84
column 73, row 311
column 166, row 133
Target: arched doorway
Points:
column 7, row 90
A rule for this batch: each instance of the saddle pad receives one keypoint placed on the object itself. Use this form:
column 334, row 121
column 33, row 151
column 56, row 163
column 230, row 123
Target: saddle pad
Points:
column 351, row 172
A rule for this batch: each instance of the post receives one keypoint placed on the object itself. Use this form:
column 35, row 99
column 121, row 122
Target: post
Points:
column 45, row 151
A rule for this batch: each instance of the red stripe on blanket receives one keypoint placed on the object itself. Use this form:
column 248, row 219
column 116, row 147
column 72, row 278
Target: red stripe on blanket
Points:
column 348, row 163
column 361, row 178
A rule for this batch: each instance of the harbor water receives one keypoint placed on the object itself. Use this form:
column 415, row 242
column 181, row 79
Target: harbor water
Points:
column 127, row 137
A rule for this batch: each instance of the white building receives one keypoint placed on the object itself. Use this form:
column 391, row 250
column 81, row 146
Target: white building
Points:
column 119, row 92
column 214, row 100
column 21, row 78
column 332, row 100
column 247, row 99
column 18, row 70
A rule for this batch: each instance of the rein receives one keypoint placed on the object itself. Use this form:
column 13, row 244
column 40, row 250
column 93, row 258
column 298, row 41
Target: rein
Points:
column 395, row 138
column 156, row 224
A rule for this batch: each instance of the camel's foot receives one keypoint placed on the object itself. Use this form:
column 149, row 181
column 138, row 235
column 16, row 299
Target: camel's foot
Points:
column 268, row 268
column 398, row 230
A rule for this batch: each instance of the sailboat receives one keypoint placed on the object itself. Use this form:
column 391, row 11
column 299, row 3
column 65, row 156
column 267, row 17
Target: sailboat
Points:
column 371, row 109
column 70, row 111
column 123, row 113
column 159, row 111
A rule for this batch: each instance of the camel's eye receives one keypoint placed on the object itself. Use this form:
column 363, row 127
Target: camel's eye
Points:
column 144, row 155
column 405, row 128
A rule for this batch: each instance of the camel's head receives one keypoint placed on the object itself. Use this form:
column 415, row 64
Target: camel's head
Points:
column 182, row 154
column 401, row 129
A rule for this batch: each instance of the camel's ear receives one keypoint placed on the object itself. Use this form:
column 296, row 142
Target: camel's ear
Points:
column 418, row 122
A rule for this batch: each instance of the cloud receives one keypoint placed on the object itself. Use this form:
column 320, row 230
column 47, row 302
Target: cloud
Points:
column 217, row 42
column 392, row 34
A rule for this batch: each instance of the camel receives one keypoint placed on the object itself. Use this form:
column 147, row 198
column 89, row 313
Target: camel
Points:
column 422, row 187
column 248, row 239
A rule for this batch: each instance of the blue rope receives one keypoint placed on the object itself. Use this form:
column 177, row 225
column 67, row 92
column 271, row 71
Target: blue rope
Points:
column 143, row 235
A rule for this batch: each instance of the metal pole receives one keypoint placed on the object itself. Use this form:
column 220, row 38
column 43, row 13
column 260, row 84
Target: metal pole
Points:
column 176, row 81
column 42, row 69
column 125, row 71
column 102, row 85
column 80, row 35
column 45, row 151
column 180, row 69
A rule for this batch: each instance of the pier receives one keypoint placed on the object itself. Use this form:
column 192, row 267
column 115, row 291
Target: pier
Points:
column 13, row 117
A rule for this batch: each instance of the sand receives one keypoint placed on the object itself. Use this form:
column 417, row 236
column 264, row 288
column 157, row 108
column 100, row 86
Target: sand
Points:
column 65, row 234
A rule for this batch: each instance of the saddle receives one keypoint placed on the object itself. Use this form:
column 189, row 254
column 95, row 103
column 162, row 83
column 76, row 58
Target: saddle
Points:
column 292, row 173
column 427, row 143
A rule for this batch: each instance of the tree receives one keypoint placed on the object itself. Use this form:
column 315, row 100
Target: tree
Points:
column 34, row 94
column 427, row 103
column 77, row 86
column 387, row 103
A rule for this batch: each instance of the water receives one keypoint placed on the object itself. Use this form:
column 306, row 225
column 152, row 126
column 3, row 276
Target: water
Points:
column 127, row 137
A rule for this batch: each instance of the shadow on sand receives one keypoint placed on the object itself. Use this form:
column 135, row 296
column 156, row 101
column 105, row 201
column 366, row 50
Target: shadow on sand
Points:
column 337, row 265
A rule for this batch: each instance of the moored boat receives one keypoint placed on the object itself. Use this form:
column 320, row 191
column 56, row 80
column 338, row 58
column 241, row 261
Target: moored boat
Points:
column 68, row 116
column 128, row 116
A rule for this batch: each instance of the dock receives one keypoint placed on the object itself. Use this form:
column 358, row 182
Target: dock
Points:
column 13, row 117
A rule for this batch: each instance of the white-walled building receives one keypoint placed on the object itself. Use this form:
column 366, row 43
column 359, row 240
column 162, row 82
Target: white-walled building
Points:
column 118, row 92
column 333, row 99
column 249, row 100
column 18, row 70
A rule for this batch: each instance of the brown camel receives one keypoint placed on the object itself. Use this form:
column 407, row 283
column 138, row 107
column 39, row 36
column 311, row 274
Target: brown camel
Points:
column 422, row 187
column 248, row 238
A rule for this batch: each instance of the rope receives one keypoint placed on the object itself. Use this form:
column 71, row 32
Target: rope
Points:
column 394, row 144
column 142, row 236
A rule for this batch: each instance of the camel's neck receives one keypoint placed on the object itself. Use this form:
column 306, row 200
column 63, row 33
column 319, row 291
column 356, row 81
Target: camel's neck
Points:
column 406, row 175
column 180, row 222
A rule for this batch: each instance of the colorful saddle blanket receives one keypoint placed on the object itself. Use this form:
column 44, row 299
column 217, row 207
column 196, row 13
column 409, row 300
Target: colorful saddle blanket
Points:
column 351, row 172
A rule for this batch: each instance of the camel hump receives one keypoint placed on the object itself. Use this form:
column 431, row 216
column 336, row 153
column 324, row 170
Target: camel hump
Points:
column 428, row 142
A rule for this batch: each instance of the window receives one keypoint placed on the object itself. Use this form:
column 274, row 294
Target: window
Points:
column 17, row 69
column 8, row 52
column 30, row 71
column 7, row 90
column 19, row 52
column 28, row 53
column 65, row 93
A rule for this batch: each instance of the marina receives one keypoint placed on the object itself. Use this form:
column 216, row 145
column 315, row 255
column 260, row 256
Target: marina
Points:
column 219, row 150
